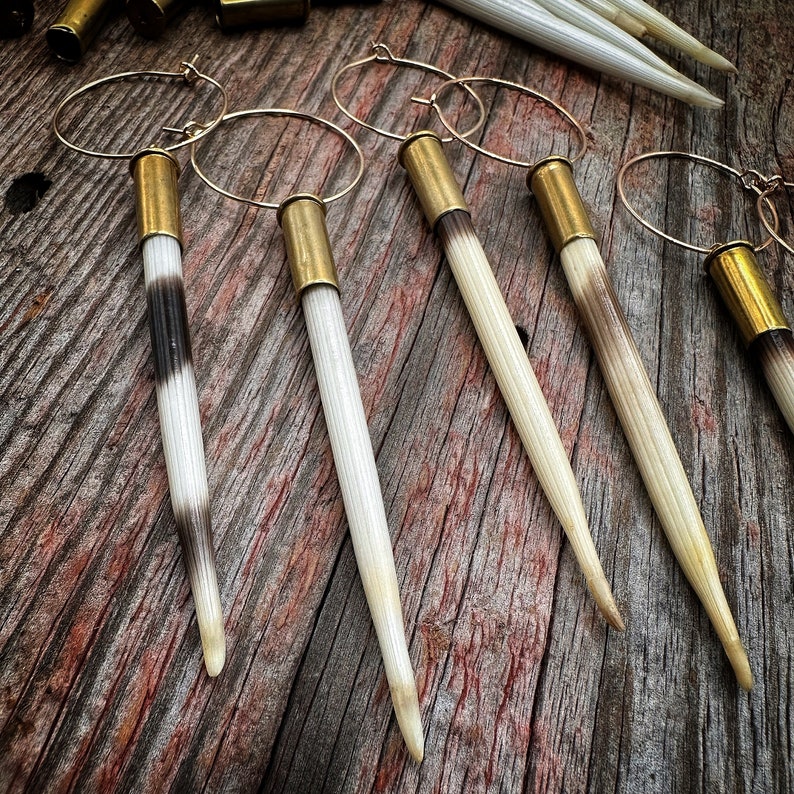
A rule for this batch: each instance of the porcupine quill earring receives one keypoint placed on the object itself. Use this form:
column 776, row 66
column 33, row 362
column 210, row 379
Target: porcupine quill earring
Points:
column 302, row 218
column 446, row 210
column 551, row 182
column 155, row 172
column 733, row 267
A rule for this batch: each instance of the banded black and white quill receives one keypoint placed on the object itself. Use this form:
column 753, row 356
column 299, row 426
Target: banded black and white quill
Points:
column 177, row 400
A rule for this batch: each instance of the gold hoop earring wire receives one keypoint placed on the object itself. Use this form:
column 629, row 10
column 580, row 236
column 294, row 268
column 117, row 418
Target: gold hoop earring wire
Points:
column 467, row 82
column 302, row 218
column 382, row 54
column 551, row 181
column 193, row 131
column 770, row 185
column 748, row 179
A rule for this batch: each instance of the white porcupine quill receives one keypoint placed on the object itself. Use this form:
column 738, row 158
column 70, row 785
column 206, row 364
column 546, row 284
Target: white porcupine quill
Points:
column 524, row 398
column 649, row 438
column 620, row 18
column 575, row 13
column 776, row 354
column 358, row 479
column 529, row 21
column 660, row 27
column 180, row 425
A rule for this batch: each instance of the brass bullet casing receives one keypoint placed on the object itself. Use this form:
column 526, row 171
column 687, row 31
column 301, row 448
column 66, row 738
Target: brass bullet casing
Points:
column 155, row 173
column 422, row 156
column 240, row 13
column 151, row 17
column 69, row 36
column 745, row 290
column 302, row 217
column 551, row 182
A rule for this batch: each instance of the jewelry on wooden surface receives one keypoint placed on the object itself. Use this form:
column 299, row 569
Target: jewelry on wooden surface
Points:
column 313, row 269
column 442, row 201
column 734, row 268
column 155, row 172
column 550, row 180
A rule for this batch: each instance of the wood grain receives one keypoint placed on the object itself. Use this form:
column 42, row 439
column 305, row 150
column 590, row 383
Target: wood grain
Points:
column 522, row 687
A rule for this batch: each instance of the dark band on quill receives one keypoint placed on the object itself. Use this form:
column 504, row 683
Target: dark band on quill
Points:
column 165, row 297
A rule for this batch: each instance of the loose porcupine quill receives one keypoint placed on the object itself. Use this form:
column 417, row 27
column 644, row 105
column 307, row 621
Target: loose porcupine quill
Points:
column 598, row 39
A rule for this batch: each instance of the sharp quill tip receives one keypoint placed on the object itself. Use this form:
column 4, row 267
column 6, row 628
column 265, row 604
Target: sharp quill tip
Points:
column 406, row 709
column 213, row 643
column 741, row 664
column 715, row 60
column 602, row 593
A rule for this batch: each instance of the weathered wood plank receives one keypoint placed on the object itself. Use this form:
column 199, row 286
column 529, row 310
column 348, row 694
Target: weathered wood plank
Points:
column 522, row 687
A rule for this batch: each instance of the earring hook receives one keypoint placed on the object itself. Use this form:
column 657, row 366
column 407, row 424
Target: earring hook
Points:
column 768, row 186
column 189, row 73
column 312, row 119
column 382, row 54
column 749, row 179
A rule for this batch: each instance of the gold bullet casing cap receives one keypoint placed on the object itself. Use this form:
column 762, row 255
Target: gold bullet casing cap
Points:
column 155, row 173
column 302, row 218
column 551, row 182
column 151, row 17
column 422, row 156
column 239, row 13
column 69, row 36
column 745, row 290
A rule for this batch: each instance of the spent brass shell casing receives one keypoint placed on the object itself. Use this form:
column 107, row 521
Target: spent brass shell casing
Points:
column 551, row 182
column 155, row 173
column 243, row 13
column 151, row 17
column 311, row 261
column 745, row 290
column 422, row 156
column 74, row 30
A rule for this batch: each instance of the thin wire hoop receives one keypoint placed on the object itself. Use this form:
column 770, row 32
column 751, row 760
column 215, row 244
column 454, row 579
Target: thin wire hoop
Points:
column 192, row 131
column 467, row 81
column 749, row 180
column 312, row 119
column 382, row 54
